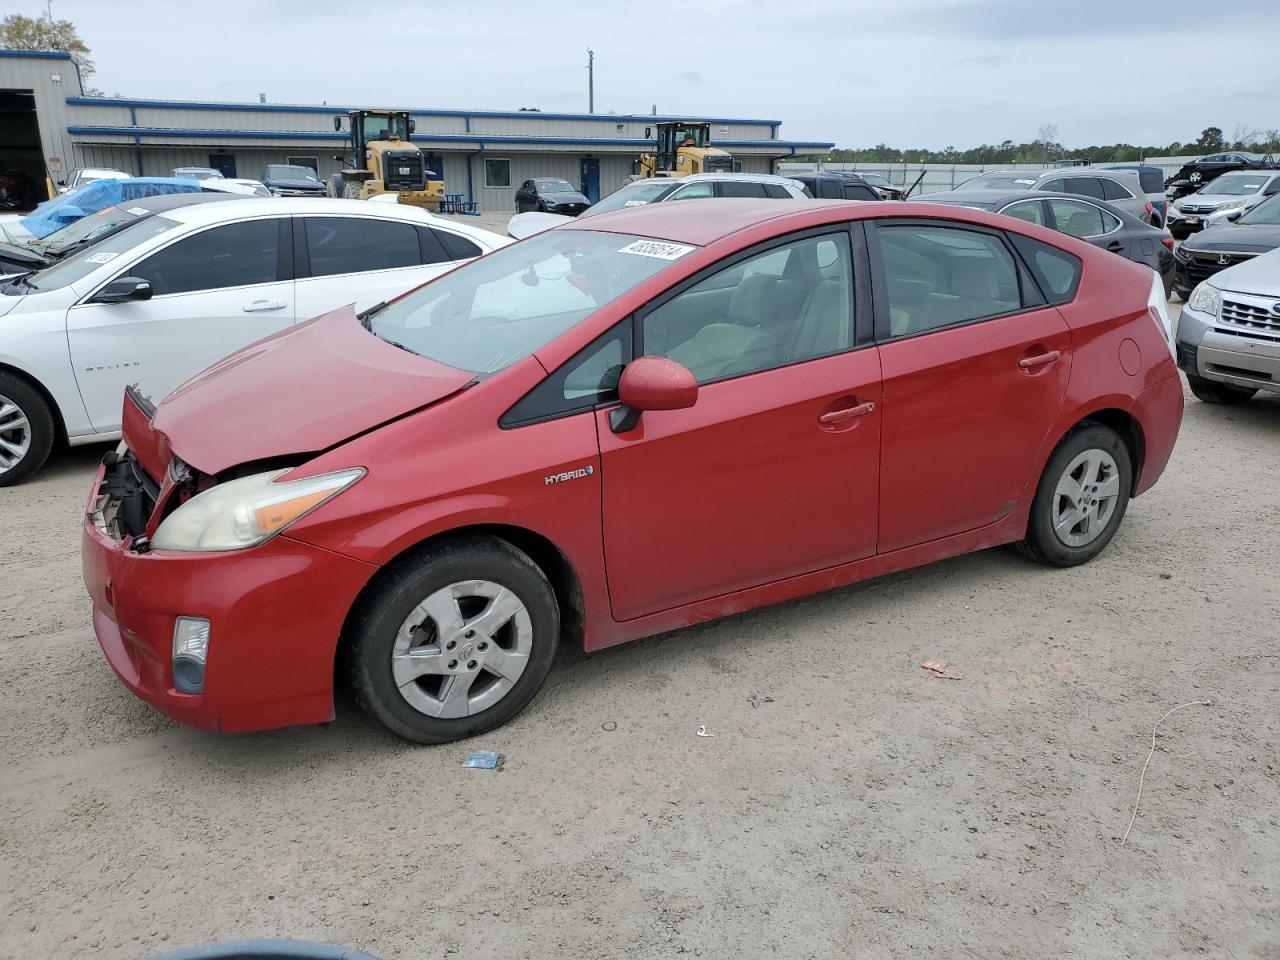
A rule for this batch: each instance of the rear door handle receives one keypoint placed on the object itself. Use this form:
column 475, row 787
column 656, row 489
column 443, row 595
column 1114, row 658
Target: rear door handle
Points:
column 846, row 413
column 1026, row 363
column 1115, row 246
column 263, row 306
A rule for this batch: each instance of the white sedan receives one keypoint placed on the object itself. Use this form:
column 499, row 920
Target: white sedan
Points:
column 166, row 297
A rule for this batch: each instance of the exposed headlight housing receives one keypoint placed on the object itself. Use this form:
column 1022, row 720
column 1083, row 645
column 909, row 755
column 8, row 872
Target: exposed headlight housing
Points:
column 248, row 511
column 1206, row 298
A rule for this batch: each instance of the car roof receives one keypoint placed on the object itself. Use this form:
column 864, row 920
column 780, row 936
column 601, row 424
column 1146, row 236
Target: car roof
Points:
column 171, row 201
column 752, row 177
column 998, row 198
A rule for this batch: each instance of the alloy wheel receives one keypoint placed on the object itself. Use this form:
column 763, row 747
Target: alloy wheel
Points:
column 1085, row 498
column 462, row 649
column 15, row 434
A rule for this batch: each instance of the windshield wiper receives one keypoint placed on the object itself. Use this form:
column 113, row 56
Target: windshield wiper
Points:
column 21, row 281
column 365, row 316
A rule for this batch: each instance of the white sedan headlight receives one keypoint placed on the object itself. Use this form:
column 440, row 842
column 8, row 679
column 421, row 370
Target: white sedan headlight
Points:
column 1206, row 298
column 246, row 512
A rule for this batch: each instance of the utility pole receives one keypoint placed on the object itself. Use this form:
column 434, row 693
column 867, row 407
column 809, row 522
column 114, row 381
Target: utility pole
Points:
column 591, row 81
column 48, row 5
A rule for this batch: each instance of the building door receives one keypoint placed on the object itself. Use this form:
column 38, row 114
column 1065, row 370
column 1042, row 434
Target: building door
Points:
column 22, row 167
column 591, row 178
column 224, row 163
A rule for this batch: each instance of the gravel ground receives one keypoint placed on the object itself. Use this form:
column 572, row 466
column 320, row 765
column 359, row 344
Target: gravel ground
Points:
column 866, row 810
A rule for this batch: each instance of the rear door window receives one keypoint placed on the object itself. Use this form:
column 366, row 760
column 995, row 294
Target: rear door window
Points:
column 359, row 244
column 1031, row 211
column 1077, row 219
column 741, row 188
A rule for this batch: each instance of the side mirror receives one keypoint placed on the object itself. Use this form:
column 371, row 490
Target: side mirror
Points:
column 123, row 290
column 1235, row 215
column 652, row 383
column 337, row 123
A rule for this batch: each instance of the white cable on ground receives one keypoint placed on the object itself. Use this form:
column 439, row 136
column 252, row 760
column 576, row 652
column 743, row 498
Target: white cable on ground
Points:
column 1142, row 778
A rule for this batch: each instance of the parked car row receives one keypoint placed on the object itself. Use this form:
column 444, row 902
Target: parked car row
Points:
column 1196, row 173
column 417, row 498
column 1227, row 243
column 165, row 291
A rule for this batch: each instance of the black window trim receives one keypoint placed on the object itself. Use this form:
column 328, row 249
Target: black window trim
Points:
column 284, row 257
column 1028, row 289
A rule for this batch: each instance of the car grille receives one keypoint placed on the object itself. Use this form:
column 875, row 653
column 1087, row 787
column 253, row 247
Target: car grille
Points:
column 1253, row 316
column 402, row 171
column 1202, row 266
column 1186, row 208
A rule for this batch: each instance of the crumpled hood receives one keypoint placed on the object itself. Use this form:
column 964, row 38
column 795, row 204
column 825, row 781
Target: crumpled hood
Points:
column 302, row 390
column 1259, row 276
column 1247, row 237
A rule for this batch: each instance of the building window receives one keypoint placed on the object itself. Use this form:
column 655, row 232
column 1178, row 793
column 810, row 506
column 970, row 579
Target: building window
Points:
column 312, row 162
column 497, row 173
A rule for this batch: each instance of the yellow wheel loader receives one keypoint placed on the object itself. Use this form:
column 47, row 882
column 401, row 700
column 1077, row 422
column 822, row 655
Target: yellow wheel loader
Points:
column 384, row 160
column 683, row 147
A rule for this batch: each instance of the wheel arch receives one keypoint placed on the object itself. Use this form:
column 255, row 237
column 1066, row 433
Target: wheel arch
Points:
column 548, row 557
column 59, row 423
column 1126, row 426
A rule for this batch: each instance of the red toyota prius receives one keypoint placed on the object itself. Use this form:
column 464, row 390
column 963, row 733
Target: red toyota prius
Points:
column 629, row 424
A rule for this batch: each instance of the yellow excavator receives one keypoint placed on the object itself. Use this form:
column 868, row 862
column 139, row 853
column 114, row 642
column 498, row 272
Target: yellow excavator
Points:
column 384, row 160
column 683, row 147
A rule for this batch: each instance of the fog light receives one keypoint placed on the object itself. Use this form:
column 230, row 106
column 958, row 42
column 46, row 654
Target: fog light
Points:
column 190, row 652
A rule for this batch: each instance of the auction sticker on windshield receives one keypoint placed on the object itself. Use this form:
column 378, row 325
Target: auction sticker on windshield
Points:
column 137, row 211
column 103, row 257
column 657, row 249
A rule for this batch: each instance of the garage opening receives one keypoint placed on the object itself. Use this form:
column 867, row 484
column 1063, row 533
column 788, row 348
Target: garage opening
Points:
column 22, row 172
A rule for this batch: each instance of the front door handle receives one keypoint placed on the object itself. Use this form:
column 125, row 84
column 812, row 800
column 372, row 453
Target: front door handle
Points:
column 1039, row 360
column 845, row 414
column 263, row 306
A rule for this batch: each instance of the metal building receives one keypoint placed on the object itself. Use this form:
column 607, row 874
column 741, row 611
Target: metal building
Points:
column 482, row 154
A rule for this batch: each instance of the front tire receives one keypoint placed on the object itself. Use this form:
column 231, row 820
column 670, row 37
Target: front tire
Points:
column 1081, row 499
column 1210, row 391
column 454, row 641
column 352, row 190
column 27, row 430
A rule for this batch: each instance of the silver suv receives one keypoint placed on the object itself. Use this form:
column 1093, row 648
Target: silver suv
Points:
column 1120, row 187
column 1228, row 341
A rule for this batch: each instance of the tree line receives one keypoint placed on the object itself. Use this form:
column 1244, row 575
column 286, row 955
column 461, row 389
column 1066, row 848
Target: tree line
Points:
column 1046, row 148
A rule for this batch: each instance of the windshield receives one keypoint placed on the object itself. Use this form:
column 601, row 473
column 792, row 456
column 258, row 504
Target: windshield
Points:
column 80, row 265
column 381, row 127
column 85, row 229
column 694, row 135
column 633, row 195
column 488, row 314
column 1235, row 184
column 997, row 181
column 875, row 179
column 284, row 172
column 555, row 186
column 1268, row 212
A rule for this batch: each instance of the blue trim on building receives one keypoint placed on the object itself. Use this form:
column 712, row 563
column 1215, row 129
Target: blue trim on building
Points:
column 479, row 139
column 35, row 54
column 425, row 112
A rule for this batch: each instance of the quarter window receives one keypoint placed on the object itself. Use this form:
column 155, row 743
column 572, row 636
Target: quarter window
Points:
column 941, row 276
column 589, row 378
column 458, row 248
column 1056, row 271
column 739, row 188
column 235, row 255
column 1076, row 219
column 357, row 245
column 790, row 303
column 1113, row 191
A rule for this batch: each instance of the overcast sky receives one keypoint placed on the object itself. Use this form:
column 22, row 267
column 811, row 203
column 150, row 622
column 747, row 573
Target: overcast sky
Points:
column 928, row 73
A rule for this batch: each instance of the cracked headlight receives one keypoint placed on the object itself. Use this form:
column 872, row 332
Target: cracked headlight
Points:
column 247, row 511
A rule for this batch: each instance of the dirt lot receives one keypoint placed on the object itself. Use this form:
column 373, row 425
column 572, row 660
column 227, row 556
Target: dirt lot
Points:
column 869, row 810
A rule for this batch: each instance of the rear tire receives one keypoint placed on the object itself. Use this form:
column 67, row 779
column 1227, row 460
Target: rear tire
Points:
column 454, row 641
column 27, row 430
column 1210, row 391
column 1081, row 499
